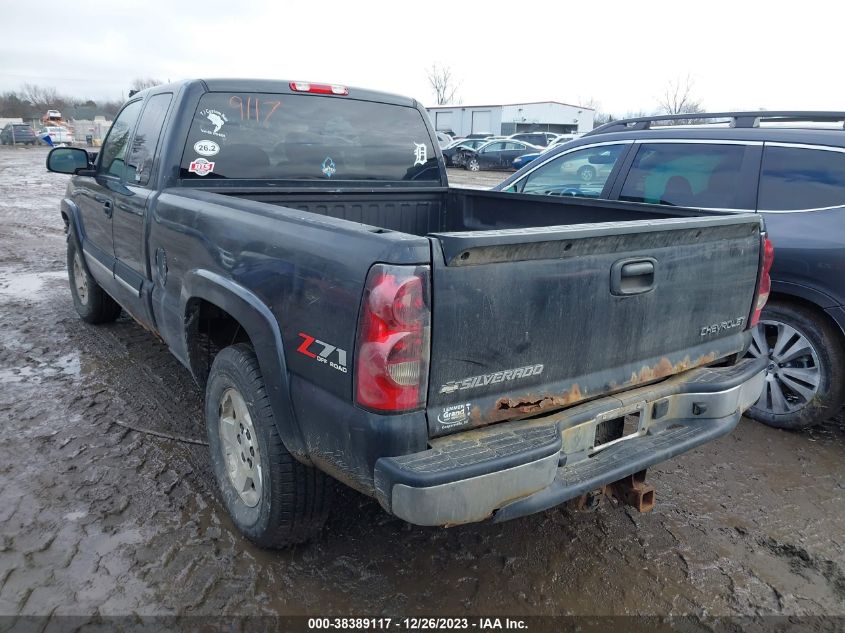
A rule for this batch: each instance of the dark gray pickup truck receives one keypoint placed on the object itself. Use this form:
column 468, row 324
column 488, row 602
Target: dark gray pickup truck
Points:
column 459, row 355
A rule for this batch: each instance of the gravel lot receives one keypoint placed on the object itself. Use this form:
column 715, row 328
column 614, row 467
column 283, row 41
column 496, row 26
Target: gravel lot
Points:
column 96, row 518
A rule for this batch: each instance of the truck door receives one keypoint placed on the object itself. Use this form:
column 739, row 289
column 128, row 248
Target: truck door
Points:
column 95, row 198
column 131, row 204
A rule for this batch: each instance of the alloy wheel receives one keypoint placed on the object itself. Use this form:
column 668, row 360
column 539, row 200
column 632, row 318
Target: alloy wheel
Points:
column 80, row 281
column 240, row 447
column 794, row 372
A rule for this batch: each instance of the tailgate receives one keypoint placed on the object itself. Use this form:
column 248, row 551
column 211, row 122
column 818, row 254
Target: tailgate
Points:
column 526, row 321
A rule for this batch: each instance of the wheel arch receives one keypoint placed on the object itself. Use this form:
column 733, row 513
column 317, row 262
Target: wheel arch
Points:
column 73, row 228
column 811, row 300
column 234, row 304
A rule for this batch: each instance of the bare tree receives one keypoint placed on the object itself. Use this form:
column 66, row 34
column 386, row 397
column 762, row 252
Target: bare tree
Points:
column 600, row 117
column 443, row 84
column 40, row 97
column 142, row 83
column 678, row 98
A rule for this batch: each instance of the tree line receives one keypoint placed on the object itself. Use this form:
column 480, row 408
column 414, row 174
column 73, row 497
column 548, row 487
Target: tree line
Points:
column 677, row 97
column 32, row 101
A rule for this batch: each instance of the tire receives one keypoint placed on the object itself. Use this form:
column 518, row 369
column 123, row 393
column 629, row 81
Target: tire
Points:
column 279, row 501
column 804, row 382
column 587, row 173
column 472, row 164
column 92, row 303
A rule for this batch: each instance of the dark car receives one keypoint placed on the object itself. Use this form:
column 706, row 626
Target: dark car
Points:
column 540, row 139
column 521, row 161
column 452, row 153
column 789, row 172
column 497, row 154
column 15, row 133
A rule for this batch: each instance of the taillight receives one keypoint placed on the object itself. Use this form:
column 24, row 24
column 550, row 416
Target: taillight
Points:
column 391, row 367
column 765, row 286
column 320, row 89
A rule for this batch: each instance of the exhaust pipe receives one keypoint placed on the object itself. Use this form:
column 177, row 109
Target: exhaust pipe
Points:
column 634, row 491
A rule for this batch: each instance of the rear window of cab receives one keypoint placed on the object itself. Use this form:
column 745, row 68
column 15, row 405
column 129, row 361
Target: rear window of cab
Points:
column 261, row 136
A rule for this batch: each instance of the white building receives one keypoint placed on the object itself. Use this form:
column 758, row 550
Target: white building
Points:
column 540, row 116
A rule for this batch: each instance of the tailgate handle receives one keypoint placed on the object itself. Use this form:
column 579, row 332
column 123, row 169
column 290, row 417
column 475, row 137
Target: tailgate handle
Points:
column 632, row 276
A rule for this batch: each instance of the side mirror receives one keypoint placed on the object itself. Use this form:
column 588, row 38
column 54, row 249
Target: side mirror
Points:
column 68, row 160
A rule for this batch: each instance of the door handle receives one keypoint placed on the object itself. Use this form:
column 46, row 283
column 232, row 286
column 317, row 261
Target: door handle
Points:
column 637, row 269
column 107, row 207
column 632, row 276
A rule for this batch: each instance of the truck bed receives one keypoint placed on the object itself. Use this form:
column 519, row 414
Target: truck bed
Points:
column 424, row 211
column 527, row 315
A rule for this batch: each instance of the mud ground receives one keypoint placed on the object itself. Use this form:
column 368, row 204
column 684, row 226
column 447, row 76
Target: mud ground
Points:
column 96, row 518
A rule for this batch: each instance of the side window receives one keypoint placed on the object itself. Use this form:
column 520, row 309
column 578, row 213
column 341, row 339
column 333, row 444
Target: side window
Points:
column 685, row 175
column 581, row 173
column 114, row 150
column 140, row 160
column 494, row 147
column 795, row 178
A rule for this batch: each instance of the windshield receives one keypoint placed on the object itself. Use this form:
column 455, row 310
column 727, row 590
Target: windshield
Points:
column 306, row 137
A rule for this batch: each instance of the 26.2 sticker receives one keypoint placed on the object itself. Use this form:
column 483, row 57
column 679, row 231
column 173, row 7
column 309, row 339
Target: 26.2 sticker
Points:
column 206, row 148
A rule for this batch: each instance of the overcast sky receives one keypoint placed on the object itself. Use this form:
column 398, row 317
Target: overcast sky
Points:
column 739, row 55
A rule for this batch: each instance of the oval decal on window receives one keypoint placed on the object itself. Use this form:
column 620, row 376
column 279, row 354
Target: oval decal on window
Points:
column 206, row 148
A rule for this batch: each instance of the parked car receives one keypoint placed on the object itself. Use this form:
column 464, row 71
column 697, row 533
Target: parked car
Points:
column 54, row 114
column 58, row 135
column 573, row 174
column 350, row 316
column 792, row 175
column 443, row 139
column 17, row 133
column 539, row 139
column 564, row 138
column 452, row 154
column 521, row 161
column 497, row 154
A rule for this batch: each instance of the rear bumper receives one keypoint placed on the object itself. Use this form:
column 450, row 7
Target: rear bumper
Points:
column 517, row 468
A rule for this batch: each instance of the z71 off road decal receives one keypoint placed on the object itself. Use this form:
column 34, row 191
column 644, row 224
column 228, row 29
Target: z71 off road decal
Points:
column 320, row 351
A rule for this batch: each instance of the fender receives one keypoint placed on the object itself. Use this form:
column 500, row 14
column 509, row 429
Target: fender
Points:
column 74, row 230
column 814, row 296
column 261, row 325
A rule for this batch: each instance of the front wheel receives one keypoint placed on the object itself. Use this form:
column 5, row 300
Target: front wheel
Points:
column 804, row 379
column 273, row 499
column 92, row 303
column 472, row 164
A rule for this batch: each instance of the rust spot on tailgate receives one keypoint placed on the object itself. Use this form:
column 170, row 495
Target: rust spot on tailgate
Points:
column 665, row 368
column 531, row 405
column 515, row 407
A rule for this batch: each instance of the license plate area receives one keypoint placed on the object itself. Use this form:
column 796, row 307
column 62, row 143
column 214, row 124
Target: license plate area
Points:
column 610, row 431
column 606, row 429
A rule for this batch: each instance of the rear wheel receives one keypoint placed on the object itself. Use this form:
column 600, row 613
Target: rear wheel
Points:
column 273, row 499
column 804, row 380
column 92, row 303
